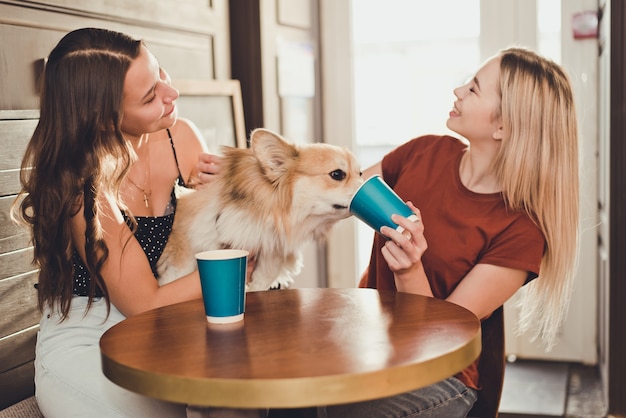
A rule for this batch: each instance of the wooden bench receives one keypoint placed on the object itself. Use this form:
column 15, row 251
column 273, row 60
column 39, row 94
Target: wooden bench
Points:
column 18, row 296
column 26, row 408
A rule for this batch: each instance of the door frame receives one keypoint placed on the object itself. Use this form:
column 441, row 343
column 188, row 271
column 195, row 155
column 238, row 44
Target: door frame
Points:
column 614, row 368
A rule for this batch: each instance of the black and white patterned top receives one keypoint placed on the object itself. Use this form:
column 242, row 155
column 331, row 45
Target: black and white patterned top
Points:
column 152, row 234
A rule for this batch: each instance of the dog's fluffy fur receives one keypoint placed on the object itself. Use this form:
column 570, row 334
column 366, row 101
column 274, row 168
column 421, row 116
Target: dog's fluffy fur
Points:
column 270, row 200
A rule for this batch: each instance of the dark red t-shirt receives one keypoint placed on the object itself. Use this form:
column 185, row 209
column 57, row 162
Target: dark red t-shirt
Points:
column 462, row 228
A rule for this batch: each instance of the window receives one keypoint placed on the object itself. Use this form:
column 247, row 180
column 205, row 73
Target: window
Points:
column 408, row 57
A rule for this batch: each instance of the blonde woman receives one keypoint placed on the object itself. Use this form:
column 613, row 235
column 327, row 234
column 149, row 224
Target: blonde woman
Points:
column 497, row 212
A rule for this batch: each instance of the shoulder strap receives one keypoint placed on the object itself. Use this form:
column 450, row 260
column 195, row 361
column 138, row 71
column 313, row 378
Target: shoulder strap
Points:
column 181, row 180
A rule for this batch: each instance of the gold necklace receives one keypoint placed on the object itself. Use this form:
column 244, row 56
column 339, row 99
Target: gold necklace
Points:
column 147, row 191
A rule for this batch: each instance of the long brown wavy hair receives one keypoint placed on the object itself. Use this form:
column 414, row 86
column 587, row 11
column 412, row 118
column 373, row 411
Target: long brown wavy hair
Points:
column 76, row 153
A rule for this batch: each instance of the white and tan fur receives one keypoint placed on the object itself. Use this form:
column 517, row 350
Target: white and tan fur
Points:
column 270, row 199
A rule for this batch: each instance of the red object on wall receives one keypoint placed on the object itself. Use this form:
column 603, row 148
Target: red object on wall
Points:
column 585, row 25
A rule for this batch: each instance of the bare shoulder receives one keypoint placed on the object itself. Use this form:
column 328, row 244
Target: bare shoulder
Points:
column 189, row 144
column 187, row 134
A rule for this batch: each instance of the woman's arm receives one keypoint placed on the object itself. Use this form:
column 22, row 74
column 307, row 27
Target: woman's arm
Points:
column 485, row 288
column 129, row 279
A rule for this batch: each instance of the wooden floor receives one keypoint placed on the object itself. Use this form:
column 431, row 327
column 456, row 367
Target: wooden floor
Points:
column 538, row 389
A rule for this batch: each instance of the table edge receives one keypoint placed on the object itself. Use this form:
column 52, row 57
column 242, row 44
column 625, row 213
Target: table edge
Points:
column 295, row 392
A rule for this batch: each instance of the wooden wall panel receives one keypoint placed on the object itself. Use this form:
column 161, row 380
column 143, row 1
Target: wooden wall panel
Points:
column 24, row 47
column 19, row 302
column 191, row 15
column 18, row 350
column 13, row 237
column 18, row 296
column 13, row 263
column 184, row 54
column 16, row 127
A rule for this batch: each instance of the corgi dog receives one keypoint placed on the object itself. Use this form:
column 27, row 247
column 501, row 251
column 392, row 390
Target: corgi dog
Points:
column 269, row 199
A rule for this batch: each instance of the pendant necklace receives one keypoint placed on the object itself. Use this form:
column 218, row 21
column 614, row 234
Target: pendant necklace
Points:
column 147, row 191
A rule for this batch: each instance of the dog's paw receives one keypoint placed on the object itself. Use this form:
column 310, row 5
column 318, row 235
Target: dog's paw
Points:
column 281, row 283
column 165, row 278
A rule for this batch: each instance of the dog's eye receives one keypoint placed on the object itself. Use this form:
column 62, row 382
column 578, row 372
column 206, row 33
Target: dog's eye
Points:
column 337, row 175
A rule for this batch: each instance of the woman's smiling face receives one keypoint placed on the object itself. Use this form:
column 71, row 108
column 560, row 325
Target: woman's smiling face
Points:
column 149, row 99
column 476, row 112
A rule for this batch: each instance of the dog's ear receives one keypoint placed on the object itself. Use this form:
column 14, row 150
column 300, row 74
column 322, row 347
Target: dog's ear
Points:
column 275, row 155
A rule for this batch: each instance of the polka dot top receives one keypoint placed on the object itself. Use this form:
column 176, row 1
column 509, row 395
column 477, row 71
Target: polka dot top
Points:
column 152, row 234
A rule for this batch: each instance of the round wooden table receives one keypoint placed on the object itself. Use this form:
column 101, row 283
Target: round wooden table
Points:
column 294, row 348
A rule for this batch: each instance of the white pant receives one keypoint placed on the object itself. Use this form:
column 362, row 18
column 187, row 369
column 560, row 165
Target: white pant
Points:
column 68, row 375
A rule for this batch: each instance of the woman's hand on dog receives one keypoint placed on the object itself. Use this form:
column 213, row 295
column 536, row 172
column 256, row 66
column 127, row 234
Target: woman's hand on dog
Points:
column 207, row 167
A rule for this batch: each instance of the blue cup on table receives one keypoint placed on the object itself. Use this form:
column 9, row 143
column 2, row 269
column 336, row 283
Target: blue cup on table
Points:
column 223, row 281
column 374, row 202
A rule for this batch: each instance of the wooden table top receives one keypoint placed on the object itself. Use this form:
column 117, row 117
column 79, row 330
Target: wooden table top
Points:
column 294, row 348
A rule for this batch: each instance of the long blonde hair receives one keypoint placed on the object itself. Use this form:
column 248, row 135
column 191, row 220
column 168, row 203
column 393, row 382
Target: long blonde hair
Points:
column 537, row 166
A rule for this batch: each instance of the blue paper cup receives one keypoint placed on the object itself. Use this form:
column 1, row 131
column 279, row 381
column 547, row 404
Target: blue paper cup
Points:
column 374, row 203
column 223, row 281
